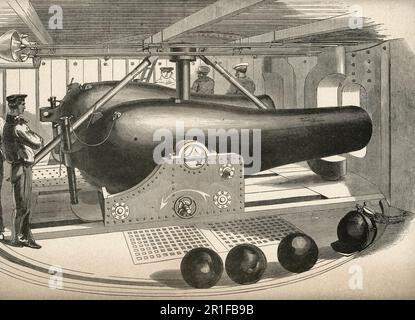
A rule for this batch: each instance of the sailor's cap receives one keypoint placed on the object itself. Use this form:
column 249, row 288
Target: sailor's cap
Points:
column 166, row 69
column 203, row 69
column 241, row 67
column 14, row 97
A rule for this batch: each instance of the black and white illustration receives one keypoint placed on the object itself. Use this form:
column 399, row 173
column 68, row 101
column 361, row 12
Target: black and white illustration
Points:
column 209, row 149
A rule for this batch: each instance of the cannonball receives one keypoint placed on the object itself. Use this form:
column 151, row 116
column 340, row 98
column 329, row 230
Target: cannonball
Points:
column 355, row 232
column 201, row 268
column 353, row 229
column 297, row 252
column 245, row 264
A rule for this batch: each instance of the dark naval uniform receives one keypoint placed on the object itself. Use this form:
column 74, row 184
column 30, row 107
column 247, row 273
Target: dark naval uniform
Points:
column 204, row 85
column 246, row 82
column 19, row 144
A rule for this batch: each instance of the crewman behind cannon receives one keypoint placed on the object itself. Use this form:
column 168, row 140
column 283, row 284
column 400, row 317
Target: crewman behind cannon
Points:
column 243, row 79
column 19, row 143
column 203, row 84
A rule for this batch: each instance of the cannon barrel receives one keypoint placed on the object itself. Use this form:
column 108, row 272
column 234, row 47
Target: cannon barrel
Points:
column 123, row 151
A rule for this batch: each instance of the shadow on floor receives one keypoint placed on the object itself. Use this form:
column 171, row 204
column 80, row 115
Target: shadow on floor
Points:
column 173, row 278
column 389, row 235
column 170, row 278
column 327, row 253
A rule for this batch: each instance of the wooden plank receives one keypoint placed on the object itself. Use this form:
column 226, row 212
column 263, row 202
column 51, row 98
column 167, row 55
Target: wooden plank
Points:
column 16, row 66
column 276, row 201
column 262, row 173
column 91, row 70
column 211, row 14
column 315, row 205
column 28, row 15
column 269, row 188
column 13, row 83
column 284, row 170
column 58, row 78
column 118, row 69
column 28, row 86
column 76, row 70
column 106, row 70
column 305, row 30
column 270, row 180
column 280, row 194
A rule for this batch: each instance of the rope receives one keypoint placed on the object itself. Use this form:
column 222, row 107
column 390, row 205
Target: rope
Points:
column 115, row 117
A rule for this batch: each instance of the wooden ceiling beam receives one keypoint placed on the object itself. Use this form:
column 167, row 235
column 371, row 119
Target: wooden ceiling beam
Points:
column 211, row 14
column 305, row 30
column 28, row 15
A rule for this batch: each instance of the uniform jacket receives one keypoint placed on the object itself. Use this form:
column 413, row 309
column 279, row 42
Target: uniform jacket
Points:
column 168, row 82
column 19, row 141
column 204, row 85
column 246, row 82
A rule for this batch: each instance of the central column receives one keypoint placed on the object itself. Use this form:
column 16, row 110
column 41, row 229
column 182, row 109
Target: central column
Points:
column 182, row 72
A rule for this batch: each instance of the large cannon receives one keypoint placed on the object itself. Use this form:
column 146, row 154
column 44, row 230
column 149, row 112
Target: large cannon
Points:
column 118, row 128
column 118, row 151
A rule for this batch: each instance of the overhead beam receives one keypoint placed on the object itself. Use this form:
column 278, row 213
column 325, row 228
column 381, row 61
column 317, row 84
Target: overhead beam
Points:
column 134, row 52
column 28, row 15
column 211, row 14
column 305, row 30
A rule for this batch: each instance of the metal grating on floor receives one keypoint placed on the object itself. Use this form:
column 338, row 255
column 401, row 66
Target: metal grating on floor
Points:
column 54, row 176
column 259, row 231
column 159, row 244
column 165, row 243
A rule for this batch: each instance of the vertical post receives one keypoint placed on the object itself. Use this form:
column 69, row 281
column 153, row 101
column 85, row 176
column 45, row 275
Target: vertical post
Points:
column 4, row 91
column 37, row 98
column 55, row 125
column 182, row 73
column 67, row 73
column 179, row 81
column 186, row 79
column 340, row 54
column 99, row 70
column 70, row 170
column 385, row 124
column 183, row 79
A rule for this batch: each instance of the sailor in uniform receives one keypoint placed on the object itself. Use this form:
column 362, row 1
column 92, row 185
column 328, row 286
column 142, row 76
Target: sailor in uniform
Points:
column 203, row 84
column 166, row 77
column 19, row 143
column 243, row 79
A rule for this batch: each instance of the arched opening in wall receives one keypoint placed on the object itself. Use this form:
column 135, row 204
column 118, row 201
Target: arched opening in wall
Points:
column 328, row 89
column 354, row 95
